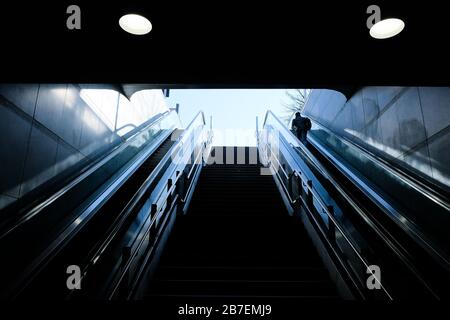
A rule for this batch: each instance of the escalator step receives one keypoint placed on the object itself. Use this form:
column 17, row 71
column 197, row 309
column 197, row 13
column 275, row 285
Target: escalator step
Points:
column 237, row 240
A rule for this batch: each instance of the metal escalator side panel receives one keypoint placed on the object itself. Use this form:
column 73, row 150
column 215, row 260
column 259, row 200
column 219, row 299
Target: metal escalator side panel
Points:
column 133, row 140
column 394, row 247
column 115, row 167
column 314, row 194
column 147, row 207
column 387, row 204
column 422, row 256
column 393, row 195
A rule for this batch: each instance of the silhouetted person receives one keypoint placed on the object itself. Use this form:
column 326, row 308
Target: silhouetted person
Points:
column 301, row 125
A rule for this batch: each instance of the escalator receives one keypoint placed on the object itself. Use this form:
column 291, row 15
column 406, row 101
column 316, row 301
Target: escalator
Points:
column 168, row 219
column 359, row 224
column 238, row 241
column 86, row 223
column 85, row 243
column 422, row 239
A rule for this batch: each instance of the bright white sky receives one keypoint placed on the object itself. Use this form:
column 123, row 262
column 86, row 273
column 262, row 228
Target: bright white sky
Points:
column 233, row 111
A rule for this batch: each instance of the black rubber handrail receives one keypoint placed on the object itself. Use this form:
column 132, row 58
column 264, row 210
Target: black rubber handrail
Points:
column 399, row 218
column 91, row 168
column 427, row 189
column 39, row 262
column 333, row 220
column 157, row 196
column 301, row 149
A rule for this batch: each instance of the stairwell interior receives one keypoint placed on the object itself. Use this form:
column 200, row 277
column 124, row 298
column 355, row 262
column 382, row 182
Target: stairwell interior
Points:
column 237, row 240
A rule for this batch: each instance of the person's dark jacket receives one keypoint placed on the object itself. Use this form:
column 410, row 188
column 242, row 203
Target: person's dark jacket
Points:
column 302, row 125
column 299, row 123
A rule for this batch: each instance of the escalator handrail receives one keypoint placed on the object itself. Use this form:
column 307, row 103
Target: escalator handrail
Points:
column 156, row 194
column 33, row 212
column 57, row 245
column 294, row 202
column 176, row 148
column 380, row 231
column 396, row 248
column 196, row 161
column 310, row 157
column 149, row 181
column 406, row 178
column 411, row 229
column 326, row 210
column 78, row 223
column 298, row 144
column 408, row 227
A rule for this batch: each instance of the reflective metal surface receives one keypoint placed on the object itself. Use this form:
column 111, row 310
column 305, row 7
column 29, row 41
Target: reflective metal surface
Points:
column 56, row 220
column 354, row 239
column 393, row 189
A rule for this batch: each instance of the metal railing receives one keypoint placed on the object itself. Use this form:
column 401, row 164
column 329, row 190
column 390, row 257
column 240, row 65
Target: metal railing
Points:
column 294, row 160
column 138, row 148
column 38, row 208
column 154, row 205
column 397, row 217
column 432, row 192
column 283, row 156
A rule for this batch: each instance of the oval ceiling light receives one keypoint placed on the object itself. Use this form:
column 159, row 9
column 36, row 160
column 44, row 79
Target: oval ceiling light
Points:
column 135, row 24
column 387, row 28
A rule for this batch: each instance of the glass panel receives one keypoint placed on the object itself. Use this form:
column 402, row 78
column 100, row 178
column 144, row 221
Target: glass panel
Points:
column 422, row 214
column 64, row 210
column 276, row 142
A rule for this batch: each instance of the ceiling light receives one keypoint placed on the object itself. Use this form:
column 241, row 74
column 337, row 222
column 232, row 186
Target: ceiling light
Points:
column 387, row 28
column 139, row 25
column 135, row 24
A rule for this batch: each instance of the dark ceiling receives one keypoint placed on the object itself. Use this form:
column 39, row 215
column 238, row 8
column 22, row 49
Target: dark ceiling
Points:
column 226, row 44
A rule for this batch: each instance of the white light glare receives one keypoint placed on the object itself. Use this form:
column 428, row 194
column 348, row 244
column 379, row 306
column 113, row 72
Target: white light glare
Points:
column 387, row 28
column 135, row 24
